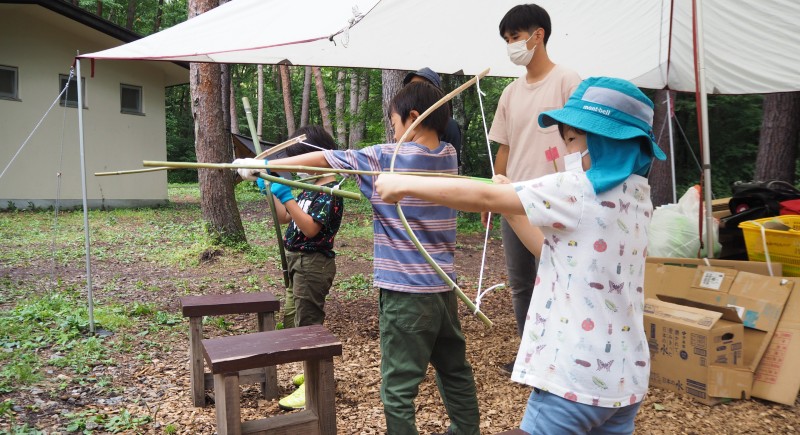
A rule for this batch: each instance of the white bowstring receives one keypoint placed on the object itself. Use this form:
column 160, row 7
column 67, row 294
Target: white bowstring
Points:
column 312, row 145
column 489, row 216
column 344, row 176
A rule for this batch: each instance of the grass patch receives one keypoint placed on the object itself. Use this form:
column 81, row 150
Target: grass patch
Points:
column 354, row 287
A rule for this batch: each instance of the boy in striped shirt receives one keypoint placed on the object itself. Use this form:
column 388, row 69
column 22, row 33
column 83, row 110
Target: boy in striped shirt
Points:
column 418, row 312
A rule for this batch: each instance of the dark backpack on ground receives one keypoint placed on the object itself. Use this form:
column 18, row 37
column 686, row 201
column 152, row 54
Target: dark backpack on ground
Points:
column 758, row 199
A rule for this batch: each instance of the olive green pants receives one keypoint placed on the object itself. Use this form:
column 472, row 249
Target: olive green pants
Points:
column 417, row 329
column 310, row 278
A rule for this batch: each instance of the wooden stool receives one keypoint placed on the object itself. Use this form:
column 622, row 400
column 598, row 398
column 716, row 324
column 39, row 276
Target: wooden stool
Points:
column 314, row 345
column 195, row 307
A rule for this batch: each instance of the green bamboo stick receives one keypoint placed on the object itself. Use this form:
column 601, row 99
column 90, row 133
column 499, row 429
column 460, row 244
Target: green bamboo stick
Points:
column 453, row 286
column 133, row 171
column 295, row 168
column 313, row 187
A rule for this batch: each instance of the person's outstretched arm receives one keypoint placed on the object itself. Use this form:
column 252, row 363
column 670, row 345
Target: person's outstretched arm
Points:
column 459, row 194
column 464, row 195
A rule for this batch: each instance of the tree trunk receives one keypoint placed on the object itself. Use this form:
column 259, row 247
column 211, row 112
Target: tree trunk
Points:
column 234, row 112
column 217, row 202
column 286, row 86
column 306, row 97
column 99, row 11
column 660, row 177
column 777, row 143
column 131, row 15
column 225, row 102
column 355, row 134
column 159, row 15
column 341, row 130
column 392, row 81
column 260, row 97
column 324, row 113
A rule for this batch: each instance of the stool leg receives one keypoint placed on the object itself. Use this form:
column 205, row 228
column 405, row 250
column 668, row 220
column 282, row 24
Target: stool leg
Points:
column 197, row 377
column 266, row 322
column 227, row 402
column 321, row 393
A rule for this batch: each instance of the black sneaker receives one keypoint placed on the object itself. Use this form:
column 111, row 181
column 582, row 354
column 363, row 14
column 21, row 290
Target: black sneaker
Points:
column 508, row 368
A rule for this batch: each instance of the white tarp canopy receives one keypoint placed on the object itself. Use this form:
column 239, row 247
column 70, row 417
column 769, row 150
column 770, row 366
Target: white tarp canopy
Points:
column 750, row 47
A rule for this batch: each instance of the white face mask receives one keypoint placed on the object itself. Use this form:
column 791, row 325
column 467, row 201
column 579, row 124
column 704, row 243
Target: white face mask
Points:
column 574, row 162
column 518, row 52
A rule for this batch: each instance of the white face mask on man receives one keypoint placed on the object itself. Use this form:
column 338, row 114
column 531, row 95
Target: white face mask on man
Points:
column 573, row 162
column 518, row 52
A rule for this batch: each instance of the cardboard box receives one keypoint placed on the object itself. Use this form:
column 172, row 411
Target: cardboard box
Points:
column 758, row 299
column 777, row 378
column 690, row 343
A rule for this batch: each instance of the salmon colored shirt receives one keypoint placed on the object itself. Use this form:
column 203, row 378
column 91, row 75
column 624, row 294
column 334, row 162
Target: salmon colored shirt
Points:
column 516, row 122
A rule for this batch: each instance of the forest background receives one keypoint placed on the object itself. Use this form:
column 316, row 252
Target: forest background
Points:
column 753, row 137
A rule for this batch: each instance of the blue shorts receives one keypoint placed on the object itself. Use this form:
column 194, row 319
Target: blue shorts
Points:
column 547, row 413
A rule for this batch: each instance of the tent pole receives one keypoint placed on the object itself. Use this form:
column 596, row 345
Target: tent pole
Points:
column 703, row 111
column 85, row 202
column 671, row 148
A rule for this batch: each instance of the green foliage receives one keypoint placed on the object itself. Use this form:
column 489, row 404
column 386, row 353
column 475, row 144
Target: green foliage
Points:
column 354, row 287
column 180, row 133
column 734, row 125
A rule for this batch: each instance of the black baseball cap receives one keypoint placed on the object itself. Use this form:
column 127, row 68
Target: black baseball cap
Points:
column 427, row 74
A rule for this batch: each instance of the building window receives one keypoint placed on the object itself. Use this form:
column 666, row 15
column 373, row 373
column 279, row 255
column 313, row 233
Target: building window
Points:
column 9, row 83
column 70, row 98
column 130, row 98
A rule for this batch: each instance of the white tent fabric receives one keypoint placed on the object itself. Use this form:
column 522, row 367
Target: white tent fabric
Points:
column 750, row 47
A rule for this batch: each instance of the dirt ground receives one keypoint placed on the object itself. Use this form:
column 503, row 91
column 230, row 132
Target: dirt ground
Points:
column 159, row 386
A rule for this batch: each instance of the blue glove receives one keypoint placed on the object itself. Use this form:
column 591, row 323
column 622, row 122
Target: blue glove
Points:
column 282, row 192
column 262, row 186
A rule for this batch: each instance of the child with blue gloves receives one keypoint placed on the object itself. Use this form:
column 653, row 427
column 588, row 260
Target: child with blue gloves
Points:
column 314, row 219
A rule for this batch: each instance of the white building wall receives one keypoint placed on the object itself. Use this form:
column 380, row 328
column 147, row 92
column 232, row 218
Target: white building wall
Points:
column 42, row 45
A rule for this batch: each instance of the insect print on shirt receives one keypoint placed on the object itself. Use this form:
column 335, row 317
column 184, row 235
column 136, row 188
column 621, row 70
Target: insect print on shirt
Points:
column 540, row 320
column 571, row 199
column 593, row 266
column 539, row 349
column 604, row 365
column 624, row 187
column 621, row 249
column 546, row 204
column 623, row 206
column 615, row 287
column 599, row 383
column 601, row 223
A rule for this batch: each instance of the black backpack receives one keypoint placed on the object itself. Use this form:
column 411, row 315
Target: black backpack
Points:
column 758, row 199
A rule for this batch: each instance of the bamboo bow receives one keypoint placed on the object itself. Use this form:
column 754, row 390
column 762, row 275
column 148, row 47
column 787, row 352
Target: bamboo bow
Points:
column 449, row 281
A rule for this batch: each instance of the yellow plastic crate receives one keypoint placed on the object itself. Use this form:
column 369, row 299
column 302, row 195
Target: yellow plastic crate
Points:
column 783, row 246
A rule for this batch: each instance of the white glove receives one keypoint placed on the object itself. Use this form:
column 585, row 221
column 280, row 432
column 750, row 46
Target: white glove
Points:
column 249, row 174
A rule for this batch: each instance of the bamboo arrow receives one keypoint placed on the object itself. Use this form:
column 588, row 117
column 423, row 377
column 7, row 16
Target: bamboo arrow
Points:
column 295, row 168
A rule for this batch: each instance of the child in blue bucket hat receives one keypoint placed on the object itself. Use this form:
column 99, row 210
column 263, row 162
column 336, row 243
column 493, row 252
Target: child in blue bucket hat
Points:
column 584, row 349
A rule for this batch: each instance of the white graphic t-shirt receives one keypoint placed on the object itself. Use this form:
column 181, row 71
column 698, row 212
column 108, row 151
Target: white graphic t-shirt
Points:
column 584, row 337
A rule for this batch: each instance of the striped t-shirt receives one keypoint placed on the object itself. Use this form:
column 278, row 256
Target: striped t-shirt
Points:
column 397, row 264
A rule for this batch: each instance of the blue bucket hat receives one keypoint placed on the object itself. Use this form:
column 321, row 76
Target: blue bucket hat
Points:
column 609, row 107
